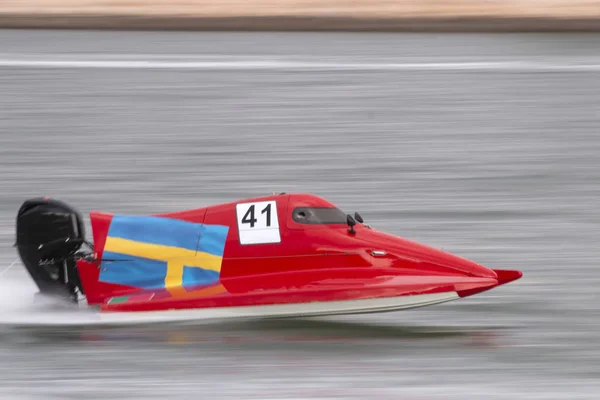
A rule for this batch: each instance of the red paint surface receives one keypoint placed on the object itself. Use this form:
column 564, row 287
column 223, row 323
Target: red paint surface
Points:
column 312, row 263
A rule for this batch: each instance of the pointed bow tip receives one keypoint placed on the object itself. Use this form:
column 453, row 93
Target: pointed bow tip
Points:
column 503, row 276
column 507, row 275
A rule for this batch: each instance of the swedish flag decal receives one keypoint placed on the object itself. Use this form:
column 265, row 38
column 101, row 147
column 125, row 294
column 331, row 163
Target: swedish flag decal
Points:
column 157, row 252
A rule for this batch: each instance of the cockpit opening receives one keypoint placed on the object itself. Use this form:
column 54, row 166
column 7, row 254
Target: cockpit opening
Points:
column 319, row 215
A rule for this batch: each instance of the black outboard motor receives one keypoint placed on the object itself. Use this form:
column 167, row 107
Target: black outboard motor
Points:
column 49, row 234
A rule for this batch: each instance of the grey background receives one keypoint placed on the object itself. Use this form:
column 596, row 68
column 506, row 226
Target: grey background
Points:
column 497, row 164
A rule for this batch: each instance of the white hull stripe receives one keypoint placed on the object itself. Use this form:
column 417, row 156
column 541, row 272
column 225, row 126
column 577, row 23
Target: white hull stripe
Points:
column 386, row 304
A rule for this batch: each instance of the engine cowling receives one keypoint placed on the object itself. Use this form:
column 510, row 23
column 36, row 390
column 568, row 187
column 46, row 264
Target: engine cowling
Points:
column 49, row 233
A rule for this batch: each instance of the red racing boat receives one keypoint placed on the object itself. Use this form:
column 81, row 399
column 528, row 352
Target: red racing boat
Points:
column 274, row 256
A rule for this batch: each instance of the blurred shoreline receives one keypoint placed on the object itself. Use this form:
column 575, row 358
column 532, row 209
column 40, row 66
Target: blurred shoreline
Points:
column 305, row 15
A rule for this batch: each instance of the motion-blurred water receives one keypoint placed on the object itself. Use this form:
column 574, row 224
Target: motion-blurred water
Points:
column 470, row 150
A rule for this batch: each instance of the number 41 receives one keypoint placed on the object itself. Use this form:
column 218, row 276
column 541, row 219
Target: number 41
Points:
column 249, row 217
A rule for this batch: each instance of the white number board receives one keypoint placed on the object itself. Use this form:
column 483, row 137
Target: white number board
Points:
column 258, row 223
